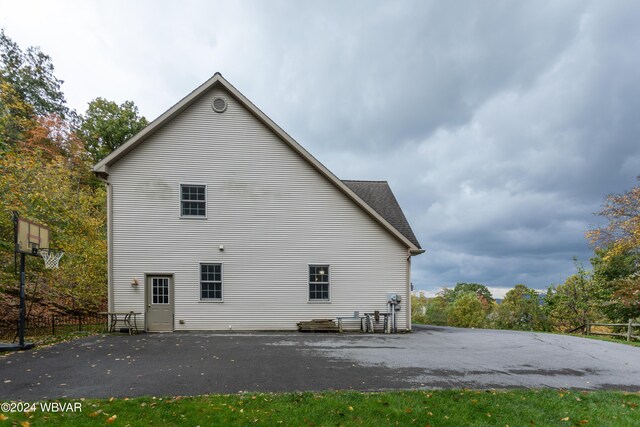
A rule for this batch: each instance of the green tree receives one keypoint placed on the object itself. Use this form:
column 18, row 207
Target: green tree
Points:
column 436, row 311
column 106, row 125
column 418, row 303
column 521, row 310
column 572, row 303
column 431, row 311
column 26, row 79
column 616, row 278
column 467, row 311
column 451, row 295
column 16, row 116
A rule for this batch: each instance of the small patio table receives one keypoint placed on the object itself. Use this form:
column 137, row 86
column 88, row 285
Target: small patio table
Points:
column 124, row 317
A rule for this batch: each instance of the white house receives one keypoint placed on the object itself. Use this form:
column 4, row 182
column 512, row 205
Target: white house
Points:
column 219, row 220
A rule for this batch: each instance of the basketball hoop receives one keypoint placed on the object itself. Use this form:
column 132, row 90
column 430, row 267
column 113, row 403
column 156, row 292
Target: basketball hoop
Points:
column 51, row 257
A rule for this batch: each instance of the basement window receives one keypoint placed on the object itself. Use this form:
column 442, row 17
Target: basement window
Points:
column 319, row 283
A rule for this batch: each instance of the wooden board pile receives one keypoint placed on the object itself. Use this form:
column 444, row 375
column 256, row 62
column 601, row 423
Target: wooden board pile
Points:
column 318, row 325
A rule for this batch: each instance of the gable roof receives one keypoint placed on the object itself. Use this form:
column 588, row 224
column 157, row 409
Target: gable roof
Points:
column 379, row 196
column 101, row 169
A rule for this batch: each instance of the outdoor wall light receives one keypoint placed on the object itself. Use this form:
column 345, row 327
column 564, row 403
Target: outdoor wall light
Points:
column 134, row 282
column 221, row 247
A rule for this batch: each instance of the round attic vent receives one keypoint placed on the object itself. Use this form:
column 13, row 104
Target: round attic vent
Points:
column 219, row 105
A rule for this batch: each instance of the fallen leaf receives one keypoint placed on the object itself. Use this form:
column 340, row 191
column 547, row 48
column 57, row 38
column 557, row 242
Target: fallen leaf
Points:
column 25, row 424
column 564, row 419
column 3, row 417
column 96, row 413
column 584, row 422
column 351, row 408
column 112, row 418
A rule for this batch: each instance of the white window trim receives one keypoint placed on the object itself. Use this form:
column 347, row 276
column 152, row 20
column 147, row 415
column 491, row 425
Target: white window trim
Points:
column 319, row 301
column 210, row 300
column 206, row 199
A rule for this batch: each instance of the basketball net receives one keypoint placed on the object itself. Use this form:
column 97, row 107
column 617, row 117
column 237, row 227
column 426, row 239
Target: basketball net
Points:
column 51, row 257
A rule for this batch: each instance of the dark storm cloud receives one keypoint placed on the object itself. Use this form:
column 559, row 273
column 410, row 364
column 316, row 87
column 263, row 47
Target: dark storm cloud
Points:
column 394, row 72
column 500, row 128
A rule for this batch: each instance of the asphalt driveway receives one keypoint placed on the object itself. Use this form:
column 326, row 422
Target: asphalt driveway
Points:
column 198, row 363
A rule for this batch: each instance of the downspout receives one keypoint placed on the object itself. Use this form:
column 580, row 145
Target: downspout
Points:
column 408, row 303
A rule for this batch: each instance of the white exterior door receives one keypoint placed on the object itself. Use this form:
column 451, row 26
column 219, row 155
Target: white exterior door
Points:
column 159, row 304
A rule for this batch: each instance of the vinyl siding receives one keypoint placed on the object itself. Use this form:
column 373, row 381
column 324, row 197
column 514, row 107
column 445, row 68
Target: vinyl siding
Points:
column 270, row 209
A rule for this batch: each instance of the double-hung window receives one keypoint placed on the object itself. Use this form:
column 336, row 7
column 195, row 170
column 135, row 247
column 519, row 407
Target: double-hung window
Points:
column 193, row 201
column 319, row 283
column 211, row 282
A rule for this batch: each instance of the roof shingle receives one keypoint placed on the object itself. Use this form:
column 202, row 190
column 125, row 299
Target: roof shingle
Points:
column 378, row 195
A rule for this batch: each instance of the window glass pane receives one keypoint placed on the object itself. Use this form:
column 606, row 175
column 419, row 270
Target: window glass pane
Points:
column 319, row 282
column 193, row 200
column 211, row 281
column 160, row 291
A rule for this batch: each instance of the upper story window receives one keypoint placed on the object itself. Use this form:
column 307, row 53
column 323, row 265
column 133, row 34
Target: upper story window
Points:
column 193, row 200
column 319, row 283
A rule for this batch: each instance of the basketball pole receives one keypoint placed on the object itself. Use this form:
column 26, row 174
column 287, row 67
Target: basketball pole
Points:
column 23, row 280
column 22, row 304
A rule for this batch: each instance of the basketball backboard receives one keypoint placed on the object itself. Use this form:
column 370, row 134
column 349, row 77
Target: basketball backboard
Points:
column 31, row 236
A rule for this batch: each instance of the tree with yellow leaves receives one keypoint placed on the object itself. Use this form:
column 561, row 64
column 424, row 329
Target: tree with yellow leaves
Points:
column 622, row 232
column 617, row 260
column 46, row 177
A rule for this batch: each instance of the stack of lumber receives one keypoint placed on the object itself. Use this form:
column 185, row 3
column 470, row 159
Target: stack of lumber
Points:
column 318, row 325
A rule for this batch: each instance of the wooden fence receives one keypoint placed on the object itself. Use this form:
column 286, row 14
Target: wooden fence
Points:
column 630, row 326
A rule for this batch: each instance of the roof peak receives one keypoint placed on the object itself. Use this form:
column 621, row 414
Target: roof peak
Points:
column 102, row 167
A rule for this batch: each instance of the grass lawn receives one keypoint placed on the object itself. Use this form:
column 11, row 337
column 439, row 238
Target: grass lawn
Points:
column 435, row 408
